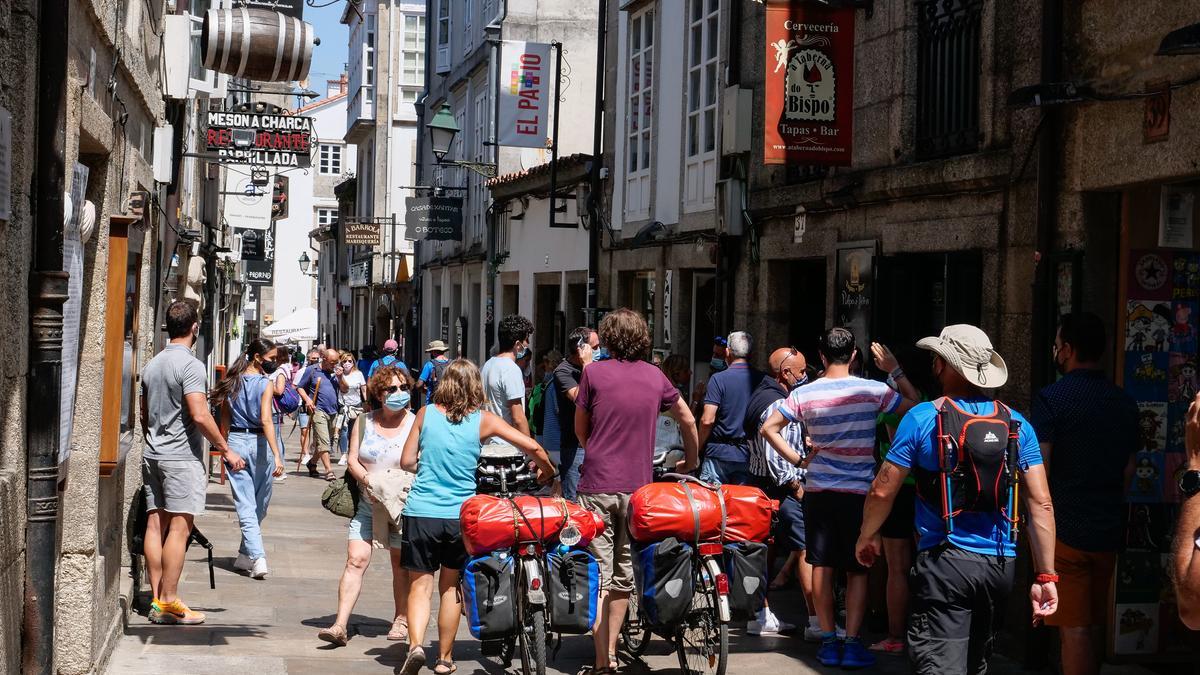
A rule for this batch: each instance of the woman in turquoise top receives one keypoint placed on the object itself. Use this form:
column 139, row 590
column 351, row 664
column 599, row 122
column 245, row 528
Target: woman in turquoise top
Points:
column 443, row 450
column 246, row 397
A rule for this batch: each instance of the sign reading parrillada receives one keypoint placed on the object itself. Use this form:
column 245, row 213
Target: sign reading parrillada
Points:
column 259, row 138
column 437, row 218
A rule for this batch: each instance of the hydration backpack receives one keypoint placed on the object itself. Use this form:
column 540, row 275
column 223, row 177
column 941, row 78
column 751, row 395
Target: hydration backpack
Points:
column 289, row 401
column 977, row 464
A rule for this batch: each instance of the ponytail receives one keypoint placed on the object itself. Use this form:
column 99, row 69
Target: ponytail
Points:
column 229, row 387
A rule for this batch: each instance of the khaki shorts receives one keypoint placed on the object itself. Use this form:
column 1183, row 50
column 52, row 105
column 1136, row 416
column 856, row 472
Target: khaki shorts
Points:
column 1083, row 586
column 174, row 485
column 322, row 425
column 612, row 547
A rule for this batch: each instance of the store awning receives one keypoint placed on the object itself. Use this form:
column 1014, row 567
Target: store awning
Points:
column 299, row 325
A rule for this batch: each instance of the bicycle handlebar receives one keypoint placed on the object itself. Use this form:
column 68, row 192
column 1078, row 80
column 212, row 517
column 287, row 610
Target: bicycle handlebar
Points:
column 692, row 479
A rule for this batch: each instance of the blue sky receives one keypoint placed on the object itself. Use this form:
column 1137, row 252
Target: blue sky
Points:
column 329, row 57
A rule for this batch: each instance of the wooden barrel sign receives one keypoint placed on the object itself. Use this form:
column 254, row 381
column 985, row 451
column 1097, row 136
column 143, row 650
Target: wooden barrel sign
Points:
column 257, row 44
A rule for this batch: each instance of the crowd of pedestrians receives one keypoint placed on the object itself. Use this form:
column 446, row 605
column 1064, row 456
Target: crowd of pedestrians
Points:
column 856, row 456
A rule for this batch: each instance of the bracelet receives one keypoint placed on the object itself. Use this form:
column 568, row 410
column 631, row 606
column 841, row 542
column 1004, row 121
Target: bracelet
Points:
column 897, row 373
column 1047, row 578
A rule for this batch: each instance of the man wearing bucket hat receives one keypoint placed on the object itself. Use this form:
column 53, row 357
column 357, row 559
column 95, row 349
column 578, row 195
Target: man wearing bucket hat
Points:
column 964, row 569
column 433, row 368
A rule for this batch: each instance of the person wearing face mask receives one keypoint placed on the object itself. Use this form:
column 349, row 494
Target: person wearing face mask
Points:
column 377, row 442
column 318, row 390
column 1088, row 431
column 175, row 420
column 351, row 384
column 726, row 450
column 246, row 400
column 503, row 379
column 783, row 481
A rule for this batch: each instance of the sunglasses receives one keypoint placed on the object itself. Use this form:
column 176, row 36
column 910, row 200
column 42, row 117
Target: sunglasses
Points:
column 393, row 389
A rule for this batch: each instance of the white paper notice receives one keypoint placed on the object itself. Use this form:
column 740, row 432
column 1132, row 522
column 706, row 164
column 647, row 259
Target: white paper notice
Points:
column 1175, row 217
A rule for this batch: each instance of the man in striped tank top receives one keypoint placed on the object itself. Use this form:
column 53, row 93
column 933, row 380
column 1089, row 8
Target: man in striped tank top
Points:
column 839, row 412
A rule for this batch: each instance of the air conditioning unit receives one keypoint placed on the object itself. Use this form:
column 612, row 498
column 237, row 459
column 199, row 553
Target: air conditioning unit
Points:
column 730, row 220
column 737, row 111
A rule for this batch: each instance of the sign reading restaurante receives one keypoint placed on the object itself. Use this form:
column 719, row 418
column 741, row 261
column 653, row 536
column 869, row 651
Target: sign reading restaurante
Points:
column 260, row 139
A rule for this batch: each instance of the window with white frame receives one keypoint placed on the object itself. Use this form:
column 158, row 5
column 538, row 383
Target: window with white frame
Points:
column 700, row 135
column 369, row 60
column 326, row 217
column 412, row 58
column 443, row 36
column 468, row 27
column 639, row 113
column 330, row 159
column 479, row 191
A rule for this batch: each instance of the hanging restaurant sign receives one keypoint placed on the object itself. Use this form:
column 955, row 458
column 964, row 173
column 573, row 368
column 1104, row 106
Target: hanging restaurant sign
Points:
column 810, row 84
column 524, row 105
column 435, row 218
column 361, row 233
column 260, row 139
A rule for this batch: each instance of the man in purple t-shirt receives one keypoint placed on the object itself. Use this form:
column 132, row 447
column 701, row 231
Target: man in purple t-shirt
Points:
column 616, row 415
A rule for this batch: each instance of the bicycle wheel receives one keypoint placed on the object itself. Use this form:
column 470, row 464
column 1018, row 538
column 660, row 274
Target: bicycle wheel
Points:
column 701, row 640
column 533, row 641
column 635, row 636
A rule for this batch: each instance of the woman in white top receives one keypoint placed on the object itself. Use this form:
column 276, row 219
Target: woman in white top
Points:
column 278, row 379
column 376, row 444
column 351, row 384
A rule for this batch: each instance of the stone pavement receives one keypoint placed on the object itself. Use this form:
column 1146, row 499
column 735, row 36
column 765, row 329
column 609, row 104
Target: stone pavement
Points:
column 269, row 627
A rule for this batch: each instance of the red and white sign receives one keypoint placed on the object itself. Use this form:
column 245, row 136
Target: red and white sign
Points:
column 809, row 84
column 526, row 85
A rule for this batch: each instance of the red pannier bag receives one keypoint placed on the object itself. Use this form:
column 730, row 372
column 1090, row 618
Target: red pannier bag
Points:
column 491, row 523
column 748, row 513
column 661, row 510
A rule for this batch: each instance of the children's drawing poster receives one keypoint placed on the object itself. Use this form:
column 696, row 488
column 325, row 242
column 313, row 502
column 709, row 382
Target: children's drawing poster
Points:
column 1182, row 379
column 1152, row 426
column 1151, row 275
column 1136, row 628
column 1174, row 465
column 1183, row 326
column 1186, row 276
column 1147, row 484
column 1176, row 426
column 1146, row 375
column 1148, row 326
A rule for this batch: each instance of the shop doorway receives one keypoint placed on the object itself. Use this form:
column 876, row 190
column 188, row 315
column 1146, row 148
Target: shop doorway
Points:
column 704, row 324
column 806, row 284
column 544, row 310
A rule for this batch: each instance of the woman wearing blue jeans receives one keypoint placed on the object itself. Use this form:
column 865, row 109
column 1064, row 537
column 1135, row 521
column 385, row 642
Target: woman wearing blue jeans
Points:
column 246, row 397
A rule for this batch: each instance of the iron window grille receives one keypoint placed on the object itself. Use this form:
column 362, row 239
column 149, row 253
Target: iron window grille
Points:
column 948, row 74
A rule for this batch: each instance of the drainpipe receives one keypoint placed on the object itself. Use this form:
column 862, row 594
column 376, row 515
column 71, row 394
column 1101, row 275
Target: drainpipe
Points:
column 593, row 205
column 1043, row 323
column 491, row 244
column 48, row 292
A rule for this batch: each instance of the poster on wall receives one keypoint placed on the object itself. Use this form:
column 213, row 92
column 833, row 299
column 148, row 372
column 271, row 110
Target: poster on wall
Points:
column 526, row 76
column 809, row 114
column 856, row 290
column 246, row 205
column 1175, row 216
column 262, row 272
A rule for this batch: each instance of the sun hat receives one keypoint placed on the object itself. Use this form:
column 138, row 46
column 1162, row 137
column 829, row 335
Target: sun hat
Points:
column 969, row 351
column 437, row 346
column 390, row 346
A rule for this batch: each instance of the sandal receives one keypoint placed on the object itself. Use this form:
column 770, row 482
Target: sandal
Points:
column 447, row 665
column 399, row 631
column 334, row 635
column 330, row 476
column 414, row 662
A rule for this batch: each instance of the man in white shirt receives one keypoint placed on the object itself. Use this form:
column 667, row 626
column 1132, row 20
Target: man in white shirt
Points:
column 503, row 381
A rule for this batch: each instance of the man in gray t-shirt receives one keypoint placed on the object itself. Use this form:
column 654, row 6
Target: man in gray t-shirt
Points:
column 175, row 415
column 503, row 381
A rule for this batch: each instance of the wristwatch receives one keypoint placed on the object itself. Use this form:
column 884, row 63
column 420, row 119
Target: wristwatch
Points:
column 1189, row 483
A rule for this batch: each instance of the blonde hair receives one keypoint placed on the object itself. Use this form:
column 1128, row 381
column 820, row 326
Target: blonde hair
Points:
column 459, row 390
column 347, row 356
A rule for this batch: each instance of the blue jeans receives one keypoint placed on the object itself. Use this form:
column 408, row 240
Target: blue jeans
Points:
column 280, row 421
column 725, row 472
column 251, row 488
column 569, row 464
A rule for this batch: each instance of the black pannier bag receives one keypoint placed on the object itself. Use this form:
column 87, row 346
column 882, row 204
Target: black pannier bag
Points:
column 663, row 572
column 489, row 595
column 746, row 567
column 572, row 590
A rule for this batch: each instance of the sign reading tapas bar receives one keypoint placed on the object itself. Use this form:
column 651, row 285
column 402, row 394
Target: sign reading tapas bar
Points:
column 810, row 84
column 436, row 218
column 365, row 233
column 260, row 139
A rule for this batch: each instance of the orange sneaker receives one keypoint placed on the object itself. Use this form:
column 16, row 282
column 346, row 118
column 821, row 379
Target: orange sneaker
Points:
column 176, row 613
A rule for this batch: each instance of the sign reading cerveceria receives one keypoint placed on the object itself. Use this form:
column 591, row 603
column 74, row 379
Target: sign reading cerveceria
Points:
column 437, row 218
column 259, row 138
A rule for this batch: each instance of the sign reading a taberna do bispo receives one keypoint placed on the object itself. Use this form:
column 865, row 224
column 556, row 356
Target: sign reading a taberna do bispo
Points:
column 435, row 218
column 260, row 139
column 526, row 80
column 809, row 116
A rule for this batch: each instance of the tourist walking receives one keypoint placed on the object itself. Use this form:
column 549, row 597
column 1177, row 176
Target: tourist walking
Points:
column 432, row 371
column 318, row 389
column 175, row 418
column 443, row 450
column 616, row 416
column 377, row 442
column 503, row 379
column 964, row 570
column 839, row 412
column 312, row 360
column 1088, row 431
column 389, row 358
column 246, row 399
column 279, row 373
column 351, row 385
column 726, row 450
column 582, row 344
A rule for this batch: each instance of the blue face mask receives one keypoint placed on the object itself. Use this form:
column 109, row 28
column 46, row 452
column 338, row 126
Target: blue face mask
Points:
column 600, row 354
column 397, row 401
column 803, row 380
column 718, row 364
column 522, row 354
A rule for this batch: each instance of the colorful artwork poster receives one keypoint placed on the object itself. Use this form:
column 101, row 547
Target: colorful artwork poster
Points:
column 1148, row 326
column 1150, row 275
column 1152, row 427
column 1139, row 576
column 1182, row 379
column 1146, row 375
column 1149, row 527
column 1184, row 314
column 1175, row 464
column 1186, row 276
column 1136, row 630
column 1176, row 427
column 1146, row 486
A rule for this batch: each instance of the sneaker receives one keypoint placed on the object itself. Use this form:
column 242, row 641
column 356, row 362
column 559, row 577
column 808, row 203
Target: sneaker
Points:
column 812, row 633
column 281, row 477
column 177, row 613
column 888, row 646
column 830, row 653
column 855, row 655
column 260, row 571
column 344, row 461
column 155, row 611
column 767, row 624
column 243, row 563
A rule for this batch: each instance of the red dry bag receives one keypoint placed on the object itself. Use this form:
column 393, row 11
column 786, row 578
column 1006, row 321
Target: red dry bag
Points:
column 491, row 523
column 749, row 513
column 687, row 511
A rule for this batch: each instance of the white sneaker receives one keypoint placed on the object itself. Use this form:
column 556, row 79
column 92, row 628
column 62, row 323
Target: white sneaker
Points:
column 343, row 461
column 260, row 570
column 767, row 624
column 243, row 562
column 281, row 477
column 812, row 633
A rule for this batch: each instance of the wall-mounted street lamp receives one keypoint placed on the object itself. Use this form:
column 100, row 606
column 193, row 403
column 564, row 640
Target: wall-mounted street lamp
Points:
column 442, row 130
column 306, row 265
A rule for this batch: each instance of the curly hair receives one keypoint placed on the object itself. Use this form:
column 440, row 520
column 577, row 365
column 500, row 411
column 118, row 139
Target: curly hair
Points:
column 677, row 369
column 625, row 334
column 460, row 390
column 382, row 379
column 513, row 328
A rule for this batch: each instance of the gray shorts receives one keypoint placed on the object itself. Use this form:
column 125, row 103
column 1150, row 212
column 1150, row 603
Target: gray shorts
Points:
column 174, row 485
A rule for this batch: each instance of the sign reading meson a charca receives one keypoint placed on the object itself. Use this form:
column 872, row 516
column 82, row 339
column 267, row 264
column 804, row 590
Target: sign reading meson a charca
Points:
column 260, row 138
column 810, row 84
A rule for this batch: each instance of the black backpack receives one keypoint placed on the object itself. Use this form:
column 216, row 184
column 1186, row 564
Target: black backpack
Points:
column 435, row 375
column 977, row 464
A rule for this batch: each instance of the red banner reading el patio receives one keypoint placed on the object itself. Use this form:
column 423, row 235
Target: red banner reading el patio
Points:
column 810, row 84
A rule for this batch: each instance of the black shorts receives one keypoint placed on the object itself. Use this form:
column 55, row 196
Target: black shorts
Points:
column 831, row 524
column 901, row 521
column 789, row 525
column 429, row 543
